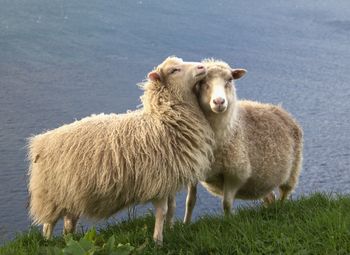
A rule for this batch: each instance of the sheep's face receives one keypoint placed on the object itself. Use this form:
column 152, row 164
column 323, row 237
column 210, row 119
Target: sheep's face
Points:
column 217, row 92
column 180, row 77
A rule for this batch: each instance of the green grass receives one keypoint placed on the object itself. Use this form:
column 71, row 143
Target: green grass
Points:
column 319, row 224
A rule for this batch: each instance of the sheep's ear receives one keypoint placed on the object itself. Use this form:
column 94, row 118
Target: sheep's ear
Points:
column 238, row 73
column 154, row 76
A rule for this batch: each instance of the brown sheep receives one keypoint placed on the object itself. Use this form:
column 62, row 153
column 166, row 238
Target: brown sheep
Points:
column 259, row 146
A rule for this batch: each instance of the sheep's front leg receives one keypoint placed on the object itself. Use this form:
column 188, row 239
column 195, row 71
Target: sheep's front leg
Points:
column 190, row 202
column 230, row 190
column 161, row 207
column 171, row 210
column 269, row 199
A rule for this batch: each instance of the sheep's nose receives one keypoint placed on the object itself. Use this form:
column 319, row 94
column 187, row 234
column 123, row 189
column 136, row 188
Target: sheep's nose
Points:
column 219, row 101
column 200, row 67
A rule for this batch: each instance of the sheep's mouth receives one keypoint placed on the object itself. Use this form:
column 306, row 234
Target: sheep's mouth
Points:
column 203, row 72
column 219, row 109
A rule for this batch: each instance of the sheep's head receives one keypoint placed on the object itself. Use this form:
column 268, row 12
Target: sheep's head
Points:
column 178, row 76
column 216, row 93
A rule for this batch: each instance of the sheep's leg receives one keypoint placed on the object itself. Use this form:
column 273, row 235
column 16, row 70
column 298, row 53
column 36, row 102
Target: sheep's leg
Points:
column 230, row 190
column 161, row 207
column 285, row 191
column 292, row 182
column 190, row 202
column 48, row 229
column 70, row 222
column 227, row 200
column 269, row 198
column 171, row 210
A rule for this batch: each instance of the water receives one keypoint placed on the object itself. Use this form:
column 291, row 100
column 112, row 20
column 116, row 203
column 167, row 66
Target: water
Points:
column 62, row 60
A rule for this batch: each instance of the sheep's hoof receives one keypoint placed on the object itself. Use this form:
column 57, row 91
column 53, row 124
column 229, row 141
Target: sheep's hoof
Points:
column 158, row 242
column 170, row 225
column 186, row 221
column 228, row 213
column 269, row 199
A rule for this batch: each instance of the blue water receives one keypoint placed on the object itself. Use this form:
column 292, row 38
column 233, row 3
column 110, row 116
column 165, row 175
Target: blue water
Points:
column 62, row 60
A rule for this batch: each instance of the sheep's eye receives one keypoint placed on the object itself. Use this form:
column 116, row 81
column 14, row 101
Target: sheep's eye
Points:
column 174, row 70
column 228, row 83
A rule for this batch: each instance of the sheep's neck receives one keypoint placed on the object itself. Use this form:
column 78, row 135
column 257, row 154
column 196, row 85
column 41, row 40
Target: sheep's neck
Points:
column 223, row 124
column 172, row 109
column 187, row 113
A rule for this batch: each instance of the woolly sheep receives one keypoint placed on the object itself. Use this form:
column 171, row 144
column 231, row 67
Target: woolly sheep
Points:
column 102, row 164
column 259, row 146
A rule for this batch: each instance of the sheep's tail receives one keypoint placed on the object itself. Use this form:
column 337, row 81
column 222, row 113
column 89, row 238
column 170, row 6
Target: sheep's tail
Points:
column 292, row 182
column 29, row 197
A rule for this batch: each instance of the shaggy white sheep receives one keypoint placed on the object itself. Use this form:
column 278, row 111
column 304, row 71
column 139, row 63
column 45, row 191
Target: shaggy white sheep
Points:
column 259, row 146
column 102, row 164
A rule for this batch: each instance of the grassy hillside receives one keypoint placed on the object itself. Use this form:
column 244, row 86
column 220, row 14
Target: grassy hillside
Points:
column 319, row 224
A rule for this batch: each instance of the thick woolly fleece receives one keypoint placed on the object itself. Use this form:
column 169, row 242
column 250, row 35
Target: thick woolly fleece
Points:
column 259, row 146
column 101, row 164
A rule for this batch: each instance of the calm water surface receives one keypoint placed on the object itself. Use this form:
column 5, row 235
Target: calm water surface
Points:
column 62, row 60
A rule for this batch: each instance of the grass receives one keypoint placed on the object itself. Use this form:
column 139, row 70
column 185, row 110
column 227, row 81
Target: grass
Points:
column 318, row 224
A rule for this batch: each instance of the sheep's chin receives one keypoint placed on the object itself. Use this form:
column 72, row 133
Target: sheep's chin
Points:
column 201, row 73
column 219, row 109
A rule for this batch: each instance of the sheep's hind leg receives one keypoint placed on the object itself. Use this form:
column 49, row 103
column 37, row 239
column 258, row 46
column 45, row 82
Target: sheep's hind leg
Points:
column 70, row 223
column 171, row 210
column 48, row 229
column 289, row 186
column 285, row 191
column 190, row 202
column 161, row 207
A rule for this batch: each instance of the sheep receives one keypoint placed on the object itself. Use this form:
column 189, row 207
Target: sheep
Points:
column 259, row 146
column 104, row 163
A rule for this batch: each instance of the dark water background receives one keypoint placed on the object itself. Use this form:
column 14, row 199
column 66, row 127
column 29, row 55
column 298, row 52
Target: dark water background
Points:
column 62, row 60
